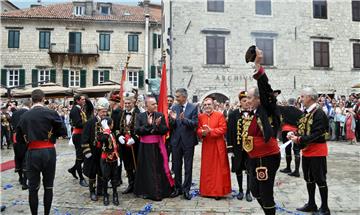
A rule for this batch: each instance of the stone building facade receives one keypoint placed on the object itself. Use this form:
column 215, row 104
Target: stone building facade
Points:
column 306, row 43
column 78, row 44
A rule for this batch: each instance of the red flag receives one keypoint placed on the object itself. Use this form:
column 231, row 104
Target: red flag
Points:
column 163, row 102
column 122, row 88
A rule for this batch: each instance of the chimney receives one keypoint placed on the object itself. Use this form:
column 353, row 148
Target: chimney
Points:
column 146, row 6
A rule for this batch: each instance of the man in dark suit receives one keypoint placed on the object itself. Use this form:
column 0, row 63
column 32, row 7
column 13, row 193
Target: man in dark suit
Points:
column 183, row 122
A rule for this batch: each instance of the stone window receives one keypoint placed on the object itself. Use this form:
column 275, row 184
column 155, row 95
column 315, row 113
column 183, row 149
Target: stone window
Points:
column 215, row 5
column 355, row 10
column 356, row 53
column 13, row 77
column 320, row 9
column 215, row 50
column 79, row 10
column 44, row 75
column 44, row 39
column 75, row 42
column 74, row 79
column 13, row 39
column 321, row 54
column 133, row 78
column 104, row 42
column 267, row 46
column 263, row 7
column 133, row 43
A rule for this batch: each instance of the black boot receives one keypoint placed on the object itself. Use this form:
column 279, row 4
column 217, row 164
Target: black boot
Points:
column 324, row 209
column 93, row 196
column 99, row 186
column 106, row 195
column 72, row 171
column 115, row 195
column 239, row 178
column 288, row 165
column 248, row 195
column 311, row 205
column 269, row 211
column 297, row 165
column 260, row 202
column 24, row 183
column 131, row 179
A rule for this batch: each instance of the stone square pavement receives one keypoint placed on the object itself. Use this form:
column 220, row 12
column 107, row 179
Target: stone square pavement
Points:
column 70, row 198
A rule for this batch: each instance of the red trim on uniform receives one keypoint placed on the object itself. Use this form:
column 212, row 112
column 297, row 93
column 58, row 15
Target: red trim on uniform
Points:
column 107, row 131
column 38, row 144
column 259, row 73
column 315, row 150
column 288, row 127
column 77, row 131
column 14, row 138
column 103, row 155
column 98, row 145
column 262, row 149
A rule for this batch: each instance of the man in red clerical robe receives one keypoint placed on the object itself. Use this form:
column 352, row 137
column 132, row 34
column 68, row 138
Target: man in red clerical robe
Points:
column 215, row 170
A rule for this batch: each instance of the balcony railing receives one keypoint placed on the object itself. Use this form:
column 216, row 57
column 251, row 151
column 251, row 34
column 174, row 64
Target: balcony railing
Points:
column 83, row 49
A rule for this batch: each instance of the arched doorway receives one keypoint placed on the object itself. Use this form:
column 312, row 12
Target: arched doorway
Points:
column 221, row 98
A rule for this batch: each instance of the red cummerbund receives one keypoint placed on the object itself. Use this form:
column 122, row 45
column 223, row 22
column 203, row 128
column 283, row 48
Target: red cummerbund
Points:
column 40, row 145
column 262, row 149
column 315, row 150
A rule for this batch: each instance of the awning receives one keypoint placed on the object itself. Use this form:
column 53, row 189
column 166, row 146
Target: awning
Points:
column 356, row 86
column 100, row 90
column 50, row 90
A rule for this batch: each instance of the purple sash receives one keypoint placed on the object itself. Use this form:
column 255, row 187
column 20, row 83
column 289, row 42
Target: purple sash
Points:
column 151, row 139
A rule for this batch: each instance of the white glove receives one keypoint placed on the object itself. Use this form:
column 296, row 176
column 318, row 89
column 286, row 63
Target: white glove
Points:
column 88, row 155
column 122, row 139
column 118, row 162
column 104, row 124
column 231, row 154
column 130, row 142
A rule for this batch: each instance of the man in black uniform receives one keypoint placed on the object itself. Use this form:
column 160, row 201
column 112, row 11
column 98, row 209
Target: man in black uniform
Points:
column 129, row 141
column 78, row 119
column 92, row 148
column 290, row 117
column 234, row 141
column 39, row 128
column 5, row 126
column 20, row 147
column 311, row 137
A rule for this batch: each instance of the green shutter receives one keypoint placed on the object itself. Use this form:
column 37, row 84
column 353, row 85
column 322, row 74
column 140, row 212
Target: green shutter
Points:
column 22, row 77
column 4, row 77
column 141, row 79
column 95, row 77
column 66, row 78
column 82, row 78
column 106, row 75
column 154, row 41
column 34, row 78
column 153, row 72
column 53, row 75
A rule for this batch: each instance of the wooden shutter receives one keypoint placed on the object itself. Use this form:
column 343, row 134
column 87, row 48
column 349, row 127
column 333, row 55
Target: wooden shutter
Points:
column 106, row 75
column 53, row 75
column 154, row 41
column 34, row 77
column 65, row 78
column 141, row 79
column 22, row 77
column 82, row 78
column 4, row 77
column 95, row 77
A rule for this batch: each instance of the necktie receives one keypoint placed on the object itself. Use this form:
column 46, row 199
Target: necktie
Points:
column 181, row 108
